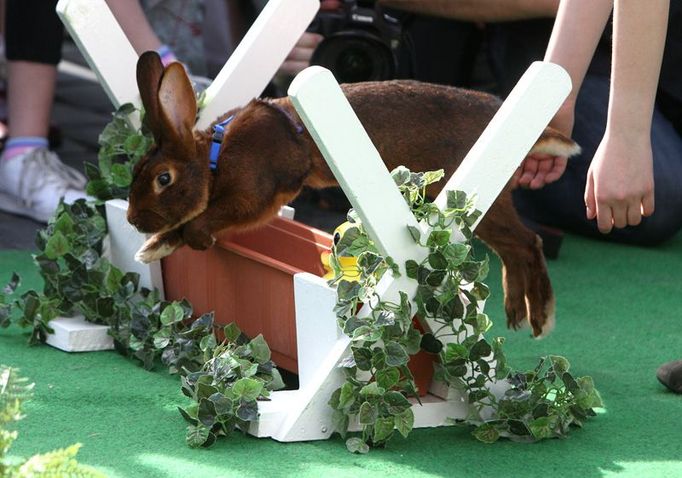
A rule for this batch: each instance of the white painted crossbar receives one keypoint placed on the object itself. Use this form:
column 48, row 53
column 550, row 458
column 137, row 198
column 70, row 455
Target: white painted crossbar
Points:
column 510, row 135
column 105, row 47
column 248, row 71
column 258, row 56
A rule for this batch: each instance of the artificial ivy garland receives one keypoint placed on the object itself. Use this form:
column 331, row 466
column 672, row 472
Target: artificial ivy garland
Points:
column 538, row 404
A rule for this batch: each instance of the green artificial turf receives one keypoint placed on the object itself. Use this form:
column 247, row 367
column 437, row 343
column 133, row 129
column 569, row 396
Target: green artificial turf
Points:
column 619, row 317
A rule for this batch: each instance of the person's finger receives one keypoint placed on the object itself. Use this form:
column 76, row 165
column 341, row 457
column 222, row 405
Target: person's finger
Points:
column 330, row 4
column 590, row 203
column 648, row 205
column 300, row 54
column 293, row 68
column 544, row 167
column 604, row 218
column 634, row 214
column 559, row 166
column 530, row 167
column 619, row 212
column 515, row 178
column 309, row 40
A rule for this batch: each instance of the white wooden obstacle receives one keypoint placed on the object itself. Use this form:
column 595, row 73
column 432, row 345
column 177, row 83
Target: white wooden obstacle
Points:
column 338, row 133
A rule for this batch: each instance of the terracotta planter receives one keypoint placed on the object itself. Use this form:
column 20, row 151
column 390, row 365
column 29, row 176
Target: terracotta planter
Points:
column 248, row 279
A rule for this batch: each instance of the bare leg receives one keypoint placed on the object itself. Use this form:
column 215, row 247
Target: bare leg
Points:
column 30, row 94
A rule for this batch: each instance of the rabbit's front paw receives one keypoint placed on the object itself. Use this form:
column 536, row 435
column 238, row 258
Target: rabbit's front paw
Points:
column 197, row 238
column 155, row 248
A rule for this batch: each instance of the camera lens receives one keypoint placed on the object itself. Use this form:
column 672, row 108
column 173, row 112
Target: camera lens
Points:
column 354, row 57
column 353, row 65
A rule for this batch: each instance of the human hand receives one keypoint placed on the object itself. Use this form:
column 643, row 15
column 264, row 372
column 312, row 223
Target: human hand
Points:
column 620, row 182
column 539, row 169
column 299, row 58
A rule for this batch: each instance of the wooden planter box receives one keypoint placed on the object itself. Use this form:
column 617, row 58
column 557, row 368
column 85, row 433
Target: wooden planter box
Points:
column 248, row 279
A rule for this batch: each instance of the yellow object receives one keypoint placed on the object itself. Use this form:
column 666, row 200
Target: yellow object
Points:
column 349, row 264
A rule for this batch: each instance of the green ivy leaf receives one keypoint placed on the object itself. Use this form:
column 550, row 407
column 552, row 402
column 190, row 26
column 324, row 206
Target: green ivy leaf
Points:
column 411, row 269
column 207, row 413
column 431, row 344
column 172, row 314
column 347, row 397
column 356, row 445
column 197, row 435
column 232, row 332
column 486, row 433
column 363, row 358
column 415, row 233
column 387, row 378
column 259, row 349
column 247, row 410
column 404, row 422
column 372, row 390
column 438, row 261
column 438, row 238
column 559, row 364
column 456, row 253
column 121, row 175
column 395, row 354
column 383, row 429
column 396, row 402
column 454, row 351
column 340, row 422
column 247, row 388
column 480, row 349
column 57, row 246
column 162, row 338
column 368, row 413
column 401, row 175
column 542, row 427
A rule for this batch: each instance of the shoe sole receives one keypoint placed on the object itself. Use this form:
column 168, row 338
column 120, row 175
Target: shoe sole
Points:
column 10, row 204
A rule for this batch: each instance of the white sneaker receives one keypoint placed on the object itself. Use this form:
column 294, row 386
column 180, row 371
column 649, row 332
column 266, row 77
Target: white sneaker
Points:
column 32, row 184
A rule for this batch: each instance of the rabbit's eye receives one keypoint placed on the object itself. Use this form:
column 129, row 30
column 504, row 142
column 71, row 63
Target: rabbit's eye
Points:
column 163, row 179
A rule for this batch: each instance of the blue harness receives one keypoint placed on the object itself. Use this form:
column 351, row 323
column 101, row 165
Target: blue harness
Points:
column 219, row 134
column 217, row 141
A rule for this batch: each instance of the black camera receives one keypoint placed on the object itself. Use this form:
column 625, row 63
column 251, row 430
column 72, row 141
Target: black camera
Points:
column 361, row 42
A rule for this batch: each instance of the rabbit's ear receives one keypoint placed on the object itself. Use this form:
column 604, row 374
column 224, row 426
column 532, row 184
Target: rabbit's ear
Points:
column 149, row 73
column 177, row 104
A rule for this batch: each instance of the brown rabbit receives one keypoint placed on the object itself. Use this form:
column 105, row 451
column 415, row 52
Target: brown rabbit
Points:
column 266, row 158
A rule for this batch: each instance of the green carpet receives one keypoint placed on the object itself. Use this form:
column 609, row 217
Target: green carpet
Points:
column 619, row 315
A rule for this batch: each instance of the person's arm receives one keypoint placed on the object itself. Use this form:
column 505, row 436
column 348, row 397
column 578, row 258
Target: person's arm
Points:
column 576, row 33
column 620, row 183
column 134, row 23
column 479, row 10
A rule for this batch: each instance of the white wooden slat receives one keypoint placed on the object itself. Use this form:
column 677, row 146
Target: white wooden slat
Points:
column 124, row 241
column 355, row 161
column 105, row 47
column 258, row 57
column 510, row 135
